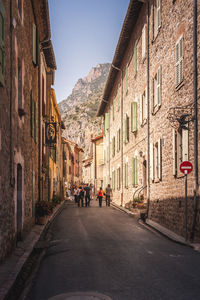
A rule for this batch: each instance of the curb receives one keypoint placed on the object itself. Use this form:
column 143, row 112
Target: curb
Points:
column 13, row 287
column 155, row 227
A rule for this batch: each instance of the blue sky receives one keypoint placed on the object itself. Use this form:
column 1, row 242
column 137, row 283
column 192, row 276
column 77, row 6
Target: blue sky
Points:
column 84, row 33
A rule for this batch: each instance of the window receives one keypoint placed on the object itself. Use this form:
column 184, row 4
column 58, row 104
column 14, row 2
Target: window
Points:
column 134, row 116
column 118, row 98
column 126, row 129
column 156, row 13
column 144, row 41
column 118, row 178
column 156, row 91
column 134, row 171
column 35, row 45
column 113, row 146
column 126, row 175
column 126, row 80
column 180, row 142
column 118, row 140
column 156, row 160
column 20, row 7
column 151, row 162
column 135, row 61
column 113, row 180
column 106, row 125
column 2, row 51
column 143, row 107
column 179, row 61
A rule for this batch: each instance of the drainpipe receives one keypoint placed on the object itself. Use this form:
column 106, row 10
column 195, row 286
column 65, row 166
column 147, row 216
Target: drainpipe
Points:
column 12, row 182
column 122, row 186
column 148, row 123
column 195, row 118
column 39, row 122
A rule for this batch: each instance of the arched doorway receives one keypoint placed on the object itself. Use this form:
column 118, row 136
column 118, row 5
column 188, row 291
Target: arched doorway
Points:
column 19, row 202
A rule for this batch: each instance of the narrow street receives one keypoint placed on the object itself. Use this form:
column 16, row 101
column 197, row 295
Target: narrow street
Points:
column 104, row 250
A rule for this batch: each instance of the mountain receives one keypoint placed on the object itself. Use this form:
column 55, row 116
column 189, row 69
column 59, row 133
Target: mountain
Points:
column 79, row 110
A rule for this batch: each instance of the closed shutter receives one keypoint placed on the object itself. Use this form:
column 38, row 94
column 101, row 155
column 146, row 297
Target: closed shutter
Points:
column 127, row 128
column 136, row 170
column 135, row 60
column 158, row 13
column 174, row 150
column 159, row 91
column 106, row 121
column 133, row 116
column 114, row 146
column 2, row 51
column 133, row 171
column 185, row 144
column 151, row 161
column 160, row 159
column 177, row 64
column 152, row 95
column 181, row 59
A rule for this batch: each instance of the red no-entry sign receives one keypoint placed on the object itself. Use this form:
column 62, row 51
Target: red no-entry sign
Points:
column 186, row 167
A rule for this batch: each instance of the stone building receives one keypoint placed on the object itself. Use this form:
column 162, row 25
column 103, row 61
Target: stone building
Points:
column 26, row 56
column 149, row 108
column 68, row 163
column 97, row 162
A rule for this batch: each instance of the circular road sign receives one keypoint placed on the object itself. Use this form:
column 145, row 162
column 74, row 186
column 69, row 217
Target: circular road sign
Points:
column 186, row 167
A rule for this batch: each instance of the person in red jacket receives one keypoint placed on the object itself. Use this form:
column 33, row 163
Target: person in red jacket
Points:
column 100, row 196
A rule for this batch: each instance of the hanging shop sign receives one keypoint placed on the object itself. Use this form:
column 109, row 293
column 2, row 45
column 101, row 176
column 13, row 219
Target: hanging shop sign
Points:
column 50, row 133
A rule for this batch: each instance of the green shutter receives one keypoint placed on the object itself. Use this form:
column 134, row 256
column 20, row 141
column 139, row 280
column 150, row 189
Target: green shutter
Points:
column 133, row 116
column 135, row 60
column 136, row 170
column 2, row 51
column 106, row 121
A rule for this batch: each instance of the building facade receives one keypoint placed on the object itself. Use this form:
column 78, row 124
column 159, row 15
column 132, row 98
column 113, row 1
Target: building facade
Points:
column 149, row 109
column 24, row 26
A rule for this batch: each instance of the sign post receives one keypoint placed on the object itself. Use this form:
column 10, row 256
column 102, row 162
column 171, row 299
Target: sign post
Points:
column 186, row 167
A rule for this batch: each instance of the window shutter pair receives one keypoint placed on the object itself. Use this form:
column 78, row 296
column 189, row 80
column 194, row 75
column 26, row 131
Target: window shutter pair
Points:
column 134, row 116
column 134, row 171
column 179, row 61
column 2, row 49
column 35, row 45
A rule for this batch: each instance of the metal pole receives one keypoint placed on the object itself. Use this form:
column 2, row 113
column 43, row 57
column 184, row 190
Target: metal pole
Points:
column 186, row 206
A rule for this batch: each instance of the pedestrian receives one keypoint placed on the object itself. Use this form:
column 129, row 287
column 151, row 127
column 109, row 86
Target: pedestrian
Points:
column 87, row 195
column 108, row 194
column 76, row 194
column 81, row 195
column 100, row 196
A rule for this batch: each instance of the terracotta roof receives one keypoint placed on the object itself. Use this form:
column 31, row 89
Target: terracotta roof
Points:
column 124, row 38
column 49, row 54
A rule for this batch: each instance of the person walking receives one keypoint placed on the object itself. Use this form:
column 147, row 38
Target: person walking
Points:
column 87, row 195
column 76, row 194
column 100, row 196
column 108, row 194
column 81, row 195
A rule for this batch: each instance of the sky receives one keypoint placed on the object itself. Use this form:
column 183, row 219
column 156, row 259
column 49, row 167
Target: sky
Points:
column 84, row 33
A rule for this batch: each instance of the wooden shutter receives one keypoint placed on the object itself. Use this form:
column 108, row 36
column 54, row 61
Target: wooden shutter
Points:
column 133, row 171
column 141, row 110
column 181, row 59
column 136, row 170
column 127, row 128
column 185, row 144
column 135, row 60
column 151, row 161
column 2, row 50
column 158, row 13
column 177, row 64
column 159, row 77
column 133, row 116
column 174, row 150
column 152, row 95
column 160, row 159
column 114, row 145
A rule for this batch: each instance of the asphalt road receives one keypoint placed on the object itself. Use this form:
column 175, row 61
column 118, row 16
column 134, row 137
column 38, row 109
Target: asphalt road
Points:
column 106, row 251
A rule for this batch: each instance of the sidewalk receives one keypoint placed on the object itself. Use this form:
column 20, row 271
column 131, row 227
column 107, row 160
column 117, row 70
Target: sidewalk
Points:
column 12, row 267
column 151, row 225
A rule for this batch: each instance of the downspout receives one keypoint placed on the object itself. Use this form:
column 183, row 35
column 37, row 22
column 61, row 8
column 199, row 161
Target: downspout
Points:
column 39, row 121
column 148, row 123
column 196, row 200
column 12, row 183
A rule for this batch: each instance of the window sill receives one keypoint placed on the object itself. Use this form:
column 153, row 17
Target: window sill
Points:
column 156, row 109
